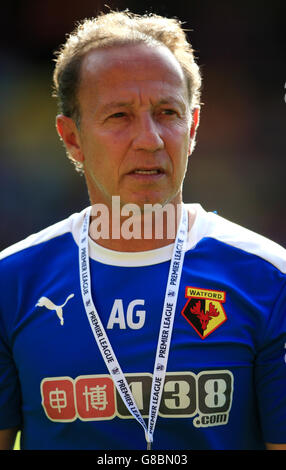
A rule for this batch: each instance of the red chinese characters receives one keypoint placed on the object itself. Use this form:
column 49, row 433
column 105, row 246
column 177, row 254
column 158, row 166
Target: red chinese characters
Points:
column 86, row 398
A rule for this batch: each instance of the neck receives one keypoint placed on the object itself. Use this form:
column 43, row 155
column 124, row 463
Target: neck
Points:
column 136, row 232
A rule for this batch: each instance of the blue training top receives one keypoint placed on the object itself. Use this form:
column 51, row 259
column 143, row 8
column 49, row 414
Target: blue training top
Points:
column 225, row 385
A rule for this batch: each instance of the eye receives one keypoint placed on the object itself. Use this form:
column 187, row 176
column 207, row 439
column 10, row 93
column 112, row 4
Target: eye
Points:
column 169, row 112
column 117, row 115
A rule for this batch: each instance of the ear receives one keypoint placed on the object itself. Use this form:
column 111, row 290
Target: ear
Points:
column 194, row 127
column 69, row 133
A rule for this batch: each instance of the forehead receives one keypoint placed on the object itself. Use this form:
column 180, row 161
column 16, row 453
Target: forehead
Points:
column 123, row 69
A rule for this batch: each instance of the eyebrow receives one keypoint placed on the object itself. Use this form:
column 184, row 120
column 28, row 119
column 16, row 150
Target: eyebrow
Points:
column 116, row 104
column 127, row 104
column 171, row 100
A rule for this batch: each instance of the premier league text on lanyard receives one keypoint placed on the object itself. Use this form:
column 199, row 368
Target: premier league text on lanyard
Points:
column 165, row 333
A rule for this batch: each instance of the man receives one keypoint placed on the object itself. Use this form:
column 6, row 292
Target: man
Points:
column 113, row 341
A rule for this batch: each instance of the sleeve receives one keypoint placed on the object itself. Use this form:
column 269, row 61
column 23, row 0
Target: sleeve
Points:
column 10, row 401
column 270, row 375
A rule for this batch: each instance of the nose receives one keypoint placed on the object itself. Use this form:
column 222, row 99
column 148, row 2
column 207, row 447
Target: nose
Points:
column 147, row 134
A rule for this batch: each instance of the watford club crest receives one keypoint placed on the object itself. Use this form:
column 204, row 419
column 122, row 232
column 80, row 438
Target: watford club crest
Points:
column 204, row 310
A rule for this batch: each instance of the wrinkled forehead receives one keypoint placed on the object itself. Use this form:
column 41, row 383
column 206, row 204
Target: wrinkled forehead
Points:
column 142, row 62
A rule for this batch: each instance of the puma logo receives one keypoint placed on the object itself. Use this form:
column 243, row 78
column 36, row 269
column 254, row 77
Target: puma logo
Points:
column 45, row 302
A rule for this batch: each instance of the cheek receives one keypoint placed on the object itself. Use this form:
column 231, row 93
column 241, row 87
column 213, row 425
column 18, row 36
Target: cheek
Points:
column 177, row 145
column 103, row 161
column 94, row 148
column 106, row 142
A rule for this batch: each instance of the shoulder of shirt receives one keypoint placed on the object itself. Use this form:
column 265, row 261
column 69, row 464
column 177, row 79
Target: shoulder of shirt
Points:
column 206, row 225
column 53, row 231
column 211, row 225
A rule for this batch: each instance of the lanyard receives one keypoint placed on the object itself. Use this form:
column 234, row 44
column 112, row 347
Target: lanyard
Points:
column 165, row 333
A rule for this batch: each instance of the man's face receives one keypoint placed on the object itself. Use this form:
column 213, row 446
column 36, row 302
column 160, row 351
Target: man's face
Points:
column 134, row 136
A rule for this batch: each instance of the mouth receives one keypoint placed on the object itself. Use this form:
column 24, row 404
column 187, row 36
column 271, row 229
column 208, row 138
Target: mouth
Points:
column 144, row 175
column 146, row 172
